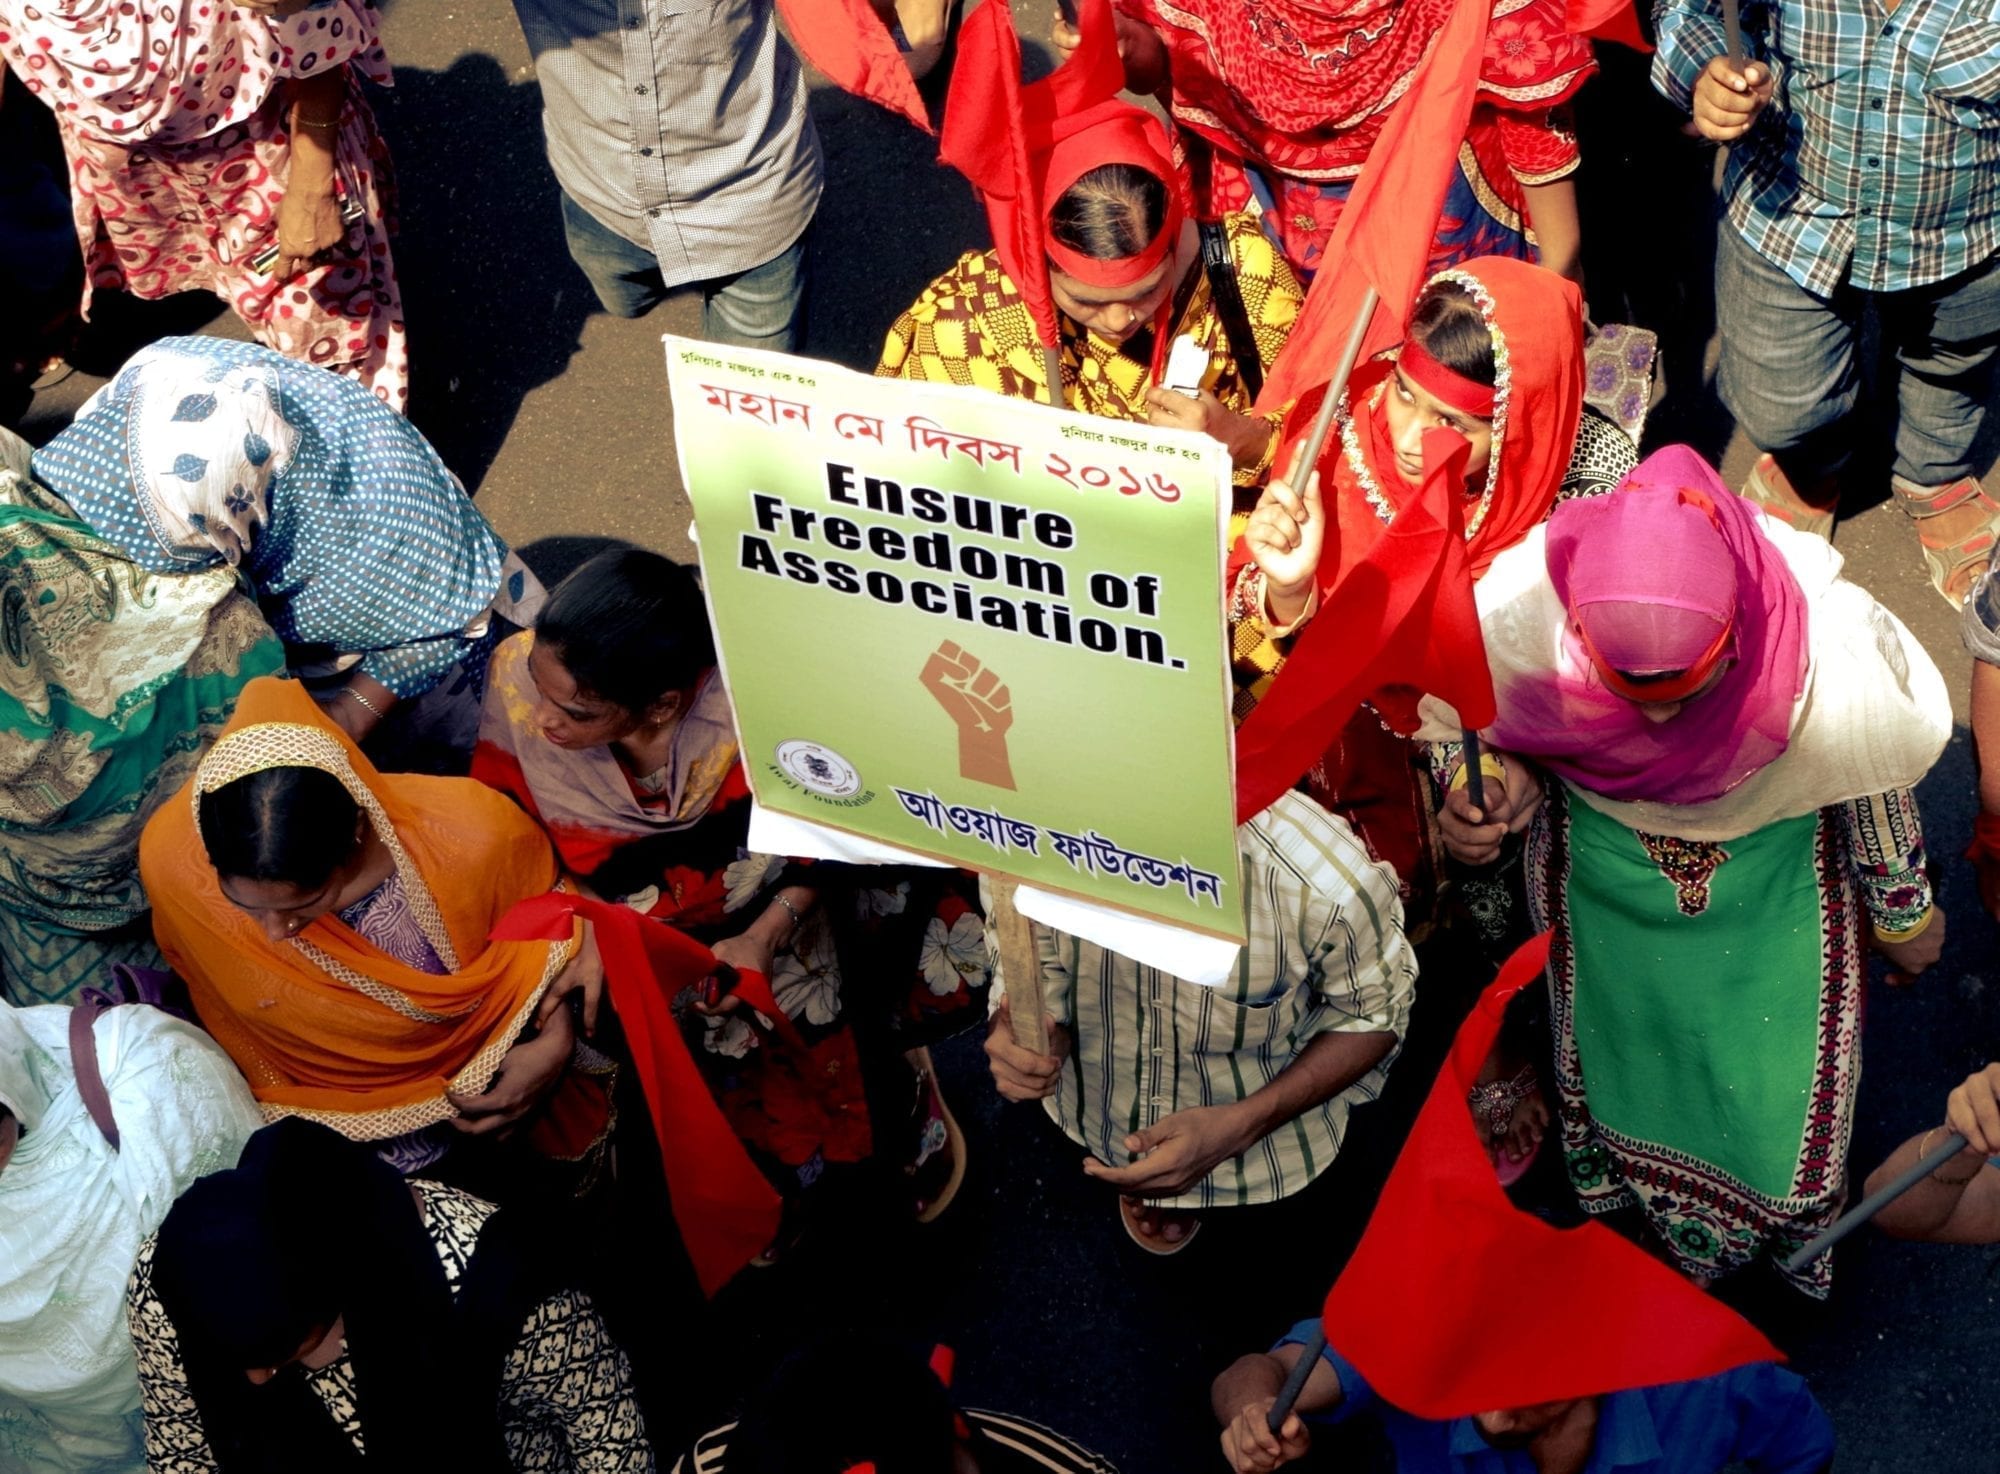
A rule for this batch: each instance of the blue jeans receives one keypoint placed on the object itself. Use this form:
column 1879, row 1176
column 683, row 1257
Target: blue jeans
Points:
column 764, row 307
column 1789, row 372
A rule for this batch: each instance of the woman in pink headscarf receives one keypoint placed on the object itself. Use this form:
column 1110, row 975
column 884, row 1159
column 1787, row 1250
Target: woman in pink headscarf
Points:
column 228, row 148
column 1726, row 731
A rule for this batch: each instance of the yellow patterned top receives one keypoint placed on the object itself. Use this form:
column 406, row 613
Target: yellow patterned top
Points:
column 971, row 327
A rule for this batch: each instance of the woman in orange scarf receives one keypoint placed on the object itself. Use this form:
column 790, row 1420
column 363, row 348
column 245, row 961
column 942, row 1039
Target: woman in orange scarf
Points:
column 1494, row 351
column 332, row 923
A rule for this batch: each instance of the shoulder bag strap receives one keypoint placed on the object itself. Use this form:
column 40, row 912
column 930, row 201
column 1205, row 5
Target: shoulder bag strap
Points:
column 83, row 1060
column 1220, row 265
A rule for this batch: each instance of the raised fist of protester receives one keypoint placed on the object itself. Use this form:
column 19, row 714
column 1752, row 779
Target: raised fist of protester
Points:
column 1018, row 1073
column 1252, row 1448
column 1473, row 832
column 1908, row 960
column 1245, row 436
column 1286, row 535
column 1728, row 98
column 1973, row 1111
column 1174, row 1154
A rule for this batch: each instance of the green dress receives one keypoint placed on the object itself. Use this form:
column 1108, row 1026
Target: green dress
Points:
column 1706, row 1001
column 113, row 683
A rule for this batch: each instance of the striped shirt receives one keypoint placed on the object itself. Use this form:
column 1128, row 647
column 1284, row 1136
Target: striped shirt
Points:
column 680, row 127
column 1006, row 1445
column 1326, row 954
column 1877, row 163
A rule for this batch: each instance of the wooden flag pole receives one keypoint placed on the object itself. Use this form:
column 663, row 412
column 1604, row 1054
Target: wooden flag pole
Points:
column 1876, row 1201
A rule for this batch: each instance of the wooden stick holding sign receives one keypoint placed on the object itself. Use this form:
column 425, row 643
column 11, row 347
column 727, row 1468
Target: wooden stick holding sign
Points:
column 1013, row 936
column 1020, row 964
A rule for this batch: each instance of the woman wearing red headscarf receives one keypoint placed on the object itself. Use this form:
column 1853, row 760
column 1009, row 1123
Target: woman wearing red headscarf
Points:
column 1128, row 280
column 1494, row 351
column 1277, row 103
column 1733, row 730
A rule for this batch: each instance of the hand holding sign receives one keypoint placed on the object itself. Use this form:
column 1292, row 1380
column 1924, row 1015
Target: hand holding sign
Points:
column 982, row 708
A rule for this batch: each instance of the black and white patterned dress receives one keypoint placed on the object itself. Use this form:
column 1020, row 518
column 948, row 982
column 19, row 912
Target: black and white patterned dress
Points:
column 566, row 1399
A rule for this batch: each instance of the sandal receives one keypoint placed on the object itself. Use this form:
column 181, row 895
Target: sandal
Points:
column 1956, row 527
column 1157, row 1244
column 1772, row 490
column 937, row 1171
column 1495, row 1102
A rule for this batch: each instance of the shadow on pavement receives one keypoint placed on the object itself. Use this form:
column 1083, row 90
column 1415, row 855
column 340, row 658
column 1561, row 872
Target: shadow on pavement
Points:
column 493, row 302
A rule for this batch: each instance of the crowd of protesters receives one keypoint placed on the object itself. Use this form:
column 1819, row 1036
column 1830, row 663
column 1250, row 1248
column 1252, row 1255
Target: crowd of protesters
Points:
column 384, row 964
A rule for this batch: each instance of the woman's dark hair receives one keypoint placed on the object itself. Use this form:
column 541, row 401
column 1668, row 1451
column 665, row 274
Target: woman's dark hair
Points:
column 1449, row 325
column 863, row 1398
column 1112, row 212
column 629, row 626
column 295, row 825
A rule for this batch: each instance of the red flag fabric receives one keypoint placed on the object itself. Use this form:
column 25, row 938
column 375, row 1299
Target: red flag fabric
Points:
column 726, row 1210
column 1606, row 20
column 1457, row 1302
column 1383, row 236
column 1403, row 615
column 847, row 40
column 994, row 127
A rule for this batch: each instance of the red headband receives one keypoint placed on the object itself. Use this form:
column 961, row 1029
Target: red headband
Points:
column 1112, row 132
column 1444, row 384
column 1676, row 688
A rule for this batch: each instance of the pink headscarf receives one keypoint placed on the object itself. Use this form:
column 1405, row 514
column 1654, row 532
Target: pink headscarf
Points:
column 1655, row 573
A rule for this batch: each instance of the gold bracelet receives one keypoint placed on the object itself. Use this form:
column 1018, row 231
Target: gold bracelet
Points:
column 1908, row 934
column 1489, row 767
column 1923, row 1150
column 330, row 125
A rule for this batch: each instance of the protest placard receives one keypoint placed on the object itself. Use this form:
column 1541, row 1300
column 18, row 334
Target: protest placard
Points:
column 970, row 626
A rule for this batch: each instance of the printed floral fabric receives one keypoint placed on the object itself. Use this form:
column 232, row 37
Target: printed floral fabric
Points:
column 176, row 127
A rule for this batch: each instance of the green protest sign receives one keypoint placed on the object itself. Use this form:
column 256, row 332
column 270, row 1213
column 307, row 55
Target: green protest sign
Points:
column 970, row 626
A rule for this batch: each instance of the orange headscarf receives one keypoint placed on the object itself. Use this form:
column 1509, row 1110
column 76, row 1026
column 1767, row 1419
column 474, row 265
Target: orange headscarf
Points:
column 324, row 1025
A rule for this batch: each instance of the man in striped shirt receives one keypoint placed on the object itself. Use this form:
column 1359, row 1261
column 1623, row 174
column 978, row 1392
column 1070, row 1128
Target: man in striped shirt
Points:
column 1864, row 171
column 1190, row 1098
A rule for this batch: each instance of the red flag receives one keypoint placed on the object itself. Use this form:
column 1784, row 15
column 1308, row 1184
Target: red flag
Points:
column 726, row 1210
column 1457, row 1302
column 1404, row 615
column 1606, row 20
column 1383, row 237
column 993, row 125
column 847, row 40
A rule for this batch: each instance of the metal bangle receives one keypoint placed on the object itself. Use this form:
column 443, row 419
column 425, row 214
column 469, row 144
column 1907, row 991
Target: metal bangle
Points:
column 1923, row 1150
column 350, row 691
column 798, row 921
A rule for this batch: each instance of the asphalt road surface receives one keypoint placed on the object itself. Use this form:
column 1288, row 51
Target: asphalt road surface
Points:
column 556, row 417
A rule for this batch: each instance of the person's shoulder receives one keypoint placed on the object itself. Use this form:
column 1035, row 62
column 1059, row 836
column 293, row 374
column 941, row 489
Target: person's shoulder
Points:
column 1027, row 1445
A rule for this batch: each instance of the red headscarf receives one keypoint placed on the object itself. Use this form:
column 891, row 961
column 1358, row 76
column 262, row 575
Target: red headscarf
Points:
column 1536, row 319
column 1021, row 147
column 1302, row 86
column 1457, row 1302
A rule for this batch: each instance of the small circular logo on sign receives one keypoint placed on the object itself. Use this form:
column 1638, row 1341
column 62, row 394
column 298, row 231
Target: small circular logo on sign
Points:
column 819, row 768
